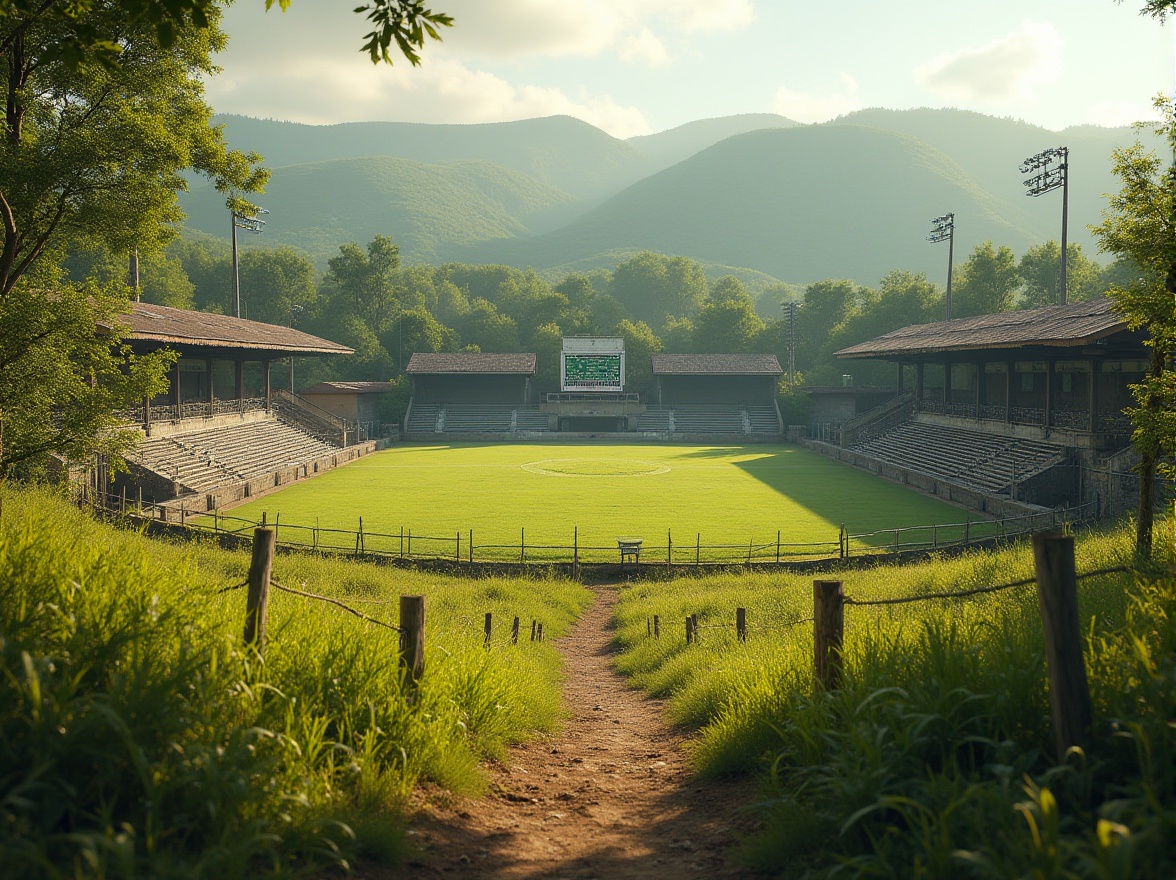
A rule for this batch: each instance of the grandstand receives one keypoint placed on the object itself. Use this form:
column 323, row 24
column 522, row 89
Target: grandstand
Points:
column 1024, row 405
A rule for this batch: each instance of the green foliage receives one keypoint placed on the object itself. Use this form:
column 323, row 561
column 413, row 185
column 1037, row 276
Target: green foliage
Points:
column 139, row 737
column 277, row 285
column 934, row 758
column 985, row 284
column 64, row 377
column 640, row 343
column 651, row 286
column 1039, row 272
column 162, row 279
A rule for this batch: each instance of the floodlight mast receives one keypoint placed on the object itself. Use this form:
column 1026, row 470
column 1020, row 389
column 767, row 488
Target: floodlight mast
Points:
column 790, row 310
column 1048, row 178
column 250, row 222
column 943, row 229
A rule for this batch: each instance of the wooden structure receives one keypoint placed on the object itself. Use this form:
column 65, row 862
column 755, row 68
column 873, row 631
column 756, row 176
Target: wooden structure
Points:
column 471, row 377
column 748, row 379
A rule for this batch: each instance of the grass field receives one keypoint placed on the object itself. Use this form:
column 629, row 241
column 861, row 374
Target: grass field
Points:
column 718, row 495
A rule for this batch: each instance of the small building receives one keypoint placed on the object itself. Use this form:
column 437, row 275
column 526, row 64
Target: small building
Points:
column 354, row 401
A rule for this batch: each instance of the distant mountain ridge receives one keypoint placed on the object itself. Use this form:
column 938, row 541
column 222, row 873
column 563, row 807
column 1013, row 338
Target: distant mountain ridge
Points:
column 849, row 198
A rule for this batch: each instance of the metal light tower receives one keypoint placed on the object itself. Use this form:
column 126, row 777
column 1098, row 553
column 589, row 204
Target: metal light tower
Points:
column 790, row 313
column 250, row 222
column 1052, row 169
column 943, row 229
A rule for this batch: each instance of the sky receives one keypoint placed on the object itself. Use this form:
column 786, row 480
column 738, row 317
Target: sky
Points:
column 634, row 67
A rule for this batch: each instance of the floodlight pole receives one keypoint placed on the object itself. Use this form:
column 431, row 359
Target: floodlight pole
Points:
column 1048, row 178
column 250, row 223
column 790, row 308
column 943, row 229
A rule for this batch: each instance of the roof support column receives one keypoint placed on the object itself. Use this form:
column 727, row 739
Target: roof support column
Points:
column 239, row 382
column 918, row 384
column 900, row 366
column 979, row 366
column 209, row 391
column 946, row 384
column 147, row 415
column 1049, row 377
column 1008, row 391
column 265, row 369
column 1092, row 395
column 176, row 388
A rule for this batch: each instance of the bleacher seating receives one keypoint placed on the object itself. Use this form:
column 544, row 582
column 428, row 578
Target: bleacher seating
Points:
column 475, row 418
column 655, row 419
column 202, row 460
column 708, row 419
column 530, row 419
column 422, row 419
column 987, row 462
column 763, row 420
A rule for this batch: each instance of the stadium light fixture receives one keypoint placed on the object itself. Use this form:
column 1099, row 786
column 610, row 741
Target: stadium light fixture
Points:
column 1051, row 170
column 250, row 222
column 790, row 309
column 943, row 229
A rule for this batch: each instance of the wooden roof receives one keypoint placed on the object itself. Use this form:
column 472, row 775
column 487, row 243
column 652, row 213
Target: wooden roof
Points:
column 716, row 365
column 348, row 388
column 168, row 326
column 1068, row 326
column 471, row 363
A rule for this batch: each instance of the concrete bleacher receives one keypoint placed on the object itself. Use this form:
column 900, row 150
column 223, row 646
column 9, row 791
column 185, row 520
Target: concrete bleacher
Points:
column 474, row 418
column 655, row 420
column 708, row 419
column 204, row 459
column 422, row 419
column 763, row 420
column 987, row 462
column 530, row 419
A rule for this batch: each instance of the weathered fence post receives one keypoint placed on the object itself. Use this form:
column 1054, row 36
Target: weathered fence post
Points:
column 533, row 624
column 656, row 627
column 402, row 542
column 669, row 548
column 412, row 635
column 277, row 525
column 488, row 627
column 777, row 545
column 540, row 634
column 410, row 543
column 828, row 631
column 698, row 550
column 522, row 545
column 514, row 632
column 741, row 624
column 1057, row 596
column 471, row 546
column 689, row 630
column 648, row 628
column 260, row 567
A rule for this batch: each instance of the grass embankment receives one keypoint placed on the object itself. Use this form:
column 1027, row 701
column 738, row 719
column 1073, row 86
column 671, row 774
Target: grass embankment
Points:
column 714, row 495
column 139, row 737
column 935, row 758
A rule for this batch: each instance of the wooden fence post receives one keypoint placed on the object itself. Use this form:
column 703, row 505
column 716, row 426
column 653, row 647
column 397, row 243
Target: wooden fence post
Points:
column 656, row 627
column 533, row 624
column 540, row 636
column 648, row 628
column 471, row 546
column 458, row 556
column 488, row 627
column 698, row 550
column 669, row 548
column 260, row 567
column 514, row 632
column 828, row 631
column 412, row 635
column 741, row 624
column 777, row 545
column 1057, row 596
column 689, row 630
column 522, row 545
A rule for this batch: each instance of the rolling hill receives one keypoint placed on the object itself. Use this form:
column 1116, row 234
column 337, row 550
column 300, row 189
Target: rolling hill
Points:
column 429, row 210
column 800, row 204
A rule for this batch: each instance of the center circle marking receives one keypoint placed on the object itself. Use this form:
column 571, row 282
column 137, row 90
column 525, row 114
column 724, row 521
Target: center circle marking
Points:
column 595, row 467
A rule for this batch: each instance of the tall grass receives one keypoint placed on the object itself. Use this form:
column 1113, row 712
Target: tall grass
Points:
column 935, row 756
column 139, row 737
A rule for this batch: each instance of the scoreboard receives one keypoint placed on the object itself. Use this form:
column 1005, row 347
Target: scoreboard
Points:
column 592, row 364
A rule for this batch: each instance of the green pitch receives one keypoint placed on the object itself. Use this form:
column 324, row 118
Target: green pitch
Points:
column 716, row 495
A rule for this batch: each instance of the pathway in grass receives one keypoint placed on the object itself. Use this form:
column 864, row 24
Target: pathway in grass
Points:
column 608, row 796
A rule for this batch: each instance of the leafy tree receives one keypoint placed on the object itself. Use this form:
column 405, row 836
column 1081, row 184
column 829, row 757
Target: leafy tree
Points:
column 826, row 305
column 678, row 335
column 728, row 322
column 1040, row 272
column 62, row 382
column 651, row 286
column 487, row 327
column 206, row 261
column 276, row 284
column 986, row 283
column 162, row 279
column 416, row 330
column 640, row 343
column 405, row 23
column 364, row 283
column 547, row 342
column 1139, row 224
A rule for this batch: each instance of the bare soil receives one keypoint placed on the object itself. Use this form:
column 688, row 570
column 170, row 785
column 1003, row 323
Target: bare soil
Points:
column 609, row 796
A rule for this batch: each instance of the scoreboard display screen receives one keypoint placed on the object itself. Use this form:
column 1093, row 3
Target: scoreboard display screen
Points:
column 593, row 372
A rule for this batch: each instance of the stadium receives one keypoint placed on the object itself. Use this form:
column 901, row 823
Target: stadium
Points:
column 994, row 425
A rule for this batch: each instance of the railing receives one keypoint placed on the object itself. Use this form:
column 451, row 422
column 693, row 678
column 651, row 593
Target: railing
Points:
column 1026, row 415
column 879, row 420
column 195, row 409
column 960, row 410
column 1078, row 419
column 597, row 396
column 312, row 419
column 463, row 547
column 1115, row 423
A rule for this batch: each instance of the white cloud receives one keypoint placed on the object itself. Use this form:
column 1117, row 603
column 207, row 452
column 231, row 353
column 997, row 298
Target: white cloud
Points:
column 323, row 90
column 644, row 47
column 1113, row 114
column 1004, row 71
column 809, row 107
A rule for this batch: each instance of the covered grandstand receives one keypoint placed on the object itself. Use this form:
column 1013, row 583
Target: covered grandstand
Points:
column 698, row 395
column 1025, row 405
column 222, row 432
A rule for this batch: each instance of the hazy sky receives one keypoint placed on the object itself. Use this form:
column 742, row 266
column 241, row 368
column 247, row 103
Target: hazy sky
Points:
column 637, row 66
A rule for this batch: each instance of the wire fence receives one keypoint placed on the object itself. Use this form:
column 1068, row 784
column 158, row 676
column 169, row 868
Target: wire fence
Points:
column 464, row 546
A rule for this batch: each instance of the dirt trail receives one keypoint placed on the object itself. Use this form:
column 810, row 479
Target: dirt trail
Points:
column 609, row 796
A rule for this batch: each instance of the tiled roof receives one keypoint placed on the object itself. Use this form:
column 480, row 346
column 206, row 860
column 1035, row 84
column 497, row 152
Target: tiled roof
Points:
column 468, row 362
column 165, row 325
column 1074, row 324
column 348, row 388
column 716, row 365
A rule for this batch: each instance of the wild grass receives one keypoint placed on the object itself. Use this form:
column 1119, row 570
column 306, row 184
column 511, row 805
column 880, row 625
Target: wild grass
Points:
column 139, row 737
column 935, row 757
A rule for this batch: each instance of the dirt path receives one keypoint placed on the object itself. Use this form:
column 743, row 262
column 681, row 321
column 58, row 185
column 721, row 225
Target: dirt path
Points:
column 609, row 796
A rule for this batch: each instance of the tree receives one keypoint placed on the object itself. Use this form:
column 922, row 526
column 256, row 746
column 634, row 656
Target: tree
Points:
column 640, row 343
column 728, row 322
column 276, row 284
column 162, row 279
column 1040, row 269
column 491, row 330
column 364, row 283
column 986, row 283
column 651, row 286
column 826, row 305
column 1139, row 224
column 416, row 330
column 404, row 22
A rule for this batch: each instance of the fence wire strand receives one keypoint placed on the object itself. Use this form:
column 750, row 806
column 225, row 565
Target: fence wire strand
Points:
column 331, row 601
column 975, row 591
